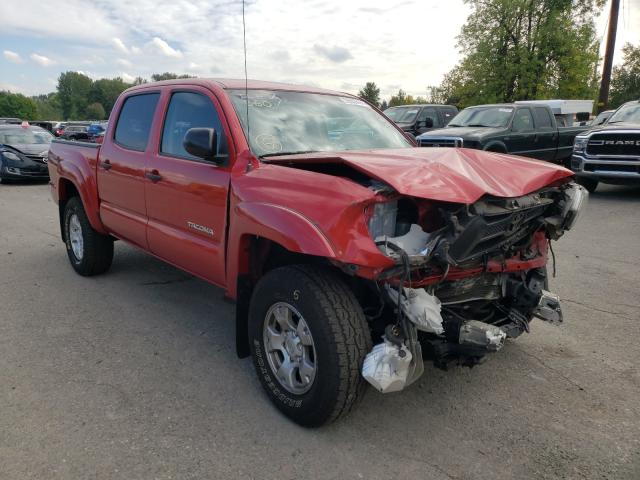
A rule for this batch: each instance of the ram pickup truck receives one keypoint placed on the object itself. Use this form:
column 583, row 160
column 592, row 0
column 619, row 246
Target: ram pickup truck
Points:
column 528, row 130
column 610, row 153
column 348, row 251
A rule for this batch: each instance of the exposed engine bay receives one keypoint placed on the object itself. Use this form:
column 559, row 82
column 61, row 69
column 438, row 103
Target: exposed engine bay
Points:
column 465, row 277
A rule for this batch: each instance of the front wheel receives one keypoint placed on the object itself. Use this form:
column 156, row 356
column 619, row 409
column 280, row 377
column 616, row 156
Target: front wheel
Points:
column 308, row 338
column 90, row 252
column 589, row 183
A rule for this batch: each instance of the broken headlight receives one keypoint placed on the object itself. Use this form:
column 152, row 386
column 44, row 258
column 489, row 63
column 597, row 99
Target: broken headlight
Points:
column 383, row 219
column 576, row 197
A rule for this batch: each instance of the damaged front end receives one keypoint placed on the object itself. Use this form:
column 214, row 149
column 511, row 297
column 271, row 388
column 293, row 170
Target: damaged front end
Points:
column 464, row 277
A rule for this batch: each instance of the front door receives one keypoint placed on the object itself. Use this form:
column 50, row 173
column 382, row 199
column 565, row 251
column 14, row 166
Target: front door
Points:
column 121, row 169
column 186, row 197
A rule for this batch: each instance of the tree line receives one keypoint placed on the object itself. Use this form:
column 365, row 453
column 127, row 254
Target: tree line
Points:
column 77, row 97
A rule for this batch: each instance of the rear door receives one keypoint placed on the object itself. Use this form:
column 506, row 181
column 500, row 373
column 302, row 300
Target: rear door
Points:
column 122, row 166
column 186, row 197
column 547, row 138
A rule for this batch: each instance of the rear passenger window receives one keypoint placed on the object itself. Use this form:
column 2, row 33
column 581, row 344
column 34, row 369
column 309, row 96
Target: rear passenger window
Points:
column 543, row 119
column 134, row 122
column 189, row 110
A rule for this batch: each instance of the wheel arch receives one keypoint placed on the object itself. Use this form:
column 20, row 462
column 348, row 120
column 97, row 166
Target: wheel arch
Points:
column 496, row 146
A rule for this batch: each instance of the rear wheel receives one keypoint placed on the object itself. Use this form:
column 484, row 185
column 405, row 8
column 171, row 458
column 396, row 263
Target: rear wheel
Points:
column 90, row 252
column 308, row 338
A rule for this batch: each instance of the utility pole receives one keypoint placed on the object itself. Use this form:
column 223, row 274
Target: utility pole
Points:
column 603, row 98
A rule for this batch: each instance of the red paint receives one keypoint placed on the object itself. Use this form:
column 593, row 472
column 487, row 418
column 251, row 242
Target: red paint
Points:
column 303, row 211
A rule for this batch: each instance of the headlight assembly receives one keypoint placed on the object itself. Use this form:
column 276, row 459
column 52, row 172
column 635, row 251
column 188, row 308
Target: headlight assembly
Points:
column 580, row 144
column 576, row 197
column 383, row 219
column 11, row 156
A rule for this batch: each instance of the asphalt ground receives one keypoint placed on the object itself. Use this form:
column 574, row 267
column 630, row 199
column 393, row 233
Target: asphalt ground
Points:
column 133, row 375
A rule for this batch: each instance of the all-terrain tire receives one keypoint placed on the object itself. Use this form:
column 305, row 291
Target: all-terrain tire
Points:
column 97, row 249
column 340, row 334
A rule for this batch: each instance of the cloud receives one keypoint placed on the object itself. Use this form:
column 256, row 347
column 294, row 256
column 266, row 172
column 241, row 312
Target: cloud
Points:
column 164, row 48
column 123, row 62
column 335, row 54
column 126, row 77
column 119, row 44
column 13, row 57
column 41, row 60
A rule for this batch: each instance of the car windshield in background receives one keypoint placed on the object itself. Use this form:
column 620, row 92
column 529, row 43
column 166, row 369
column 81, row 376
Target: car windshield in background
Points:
column 23, row 136
column 401, row 115
column 627, row 114
column 482, row 117
column 282, row 122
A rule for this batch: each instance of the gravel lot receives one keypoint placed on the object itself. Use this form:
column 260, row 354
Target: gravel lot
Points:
column 134, row 375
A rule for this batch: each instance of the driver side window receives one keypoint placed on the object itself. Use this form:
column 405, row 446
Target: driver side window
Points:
column 429, row 113
column 523, row 121
column 189, row 110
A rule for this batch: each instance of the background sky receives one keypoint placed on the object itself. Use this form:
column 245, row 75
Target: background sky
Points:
column 407, row 44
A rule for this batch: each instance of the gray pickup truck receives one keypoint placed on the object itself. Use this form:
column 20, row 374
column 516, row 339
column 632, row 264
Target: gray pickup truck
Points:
column 529, row 130
column 610, row 153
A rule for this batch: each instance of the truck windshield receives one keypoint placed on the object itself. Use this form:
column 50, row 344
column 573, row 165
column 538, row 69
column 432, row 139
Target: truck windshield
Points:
column 626, row 114
column 401, row 115
column 482, row 117
column 282, row 122
column 23, row 136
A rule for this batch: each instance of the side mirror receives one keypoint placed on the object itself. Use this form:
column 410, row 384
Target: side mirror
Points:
column 428, row 122
column 202, row 143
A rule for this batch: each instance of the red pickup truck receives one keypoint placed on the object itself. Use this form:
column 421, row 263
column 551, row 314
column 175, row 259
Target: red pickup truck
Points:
column 351, row 254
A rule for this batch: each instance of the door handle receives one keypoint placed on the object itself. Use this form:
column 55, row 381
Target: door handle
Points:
column 153, row 175
column 106, row 164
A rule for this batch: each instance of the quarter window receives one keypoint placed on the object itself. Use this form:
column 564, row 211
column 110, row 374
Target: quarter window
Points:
column 189, row 110
column 134, row 122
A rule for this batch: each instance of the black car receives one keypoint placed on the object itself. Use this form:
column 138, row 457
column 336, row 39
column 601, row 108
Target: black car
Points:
column 525, row 129
column 417, row 119
column 75, row 132
column 23, row 152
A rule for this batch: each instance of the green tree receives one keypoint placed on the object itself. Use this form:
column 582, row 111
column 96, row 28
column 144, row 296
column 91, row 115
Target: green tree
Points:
column 384, row 105
column 48, row 106
column 402, row 98
column 371, row 93
column 625, row 80
column 106, row 91
column 525, row 49
column 73, row 91
column 95, row 111
column 156, row 77
column 17, row 105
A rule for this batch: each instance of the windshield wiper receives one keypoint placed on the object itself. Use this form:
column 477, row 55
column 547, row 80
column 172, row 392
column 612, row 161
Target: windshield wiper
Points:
column 453, row 125
column 299, row 152
column 479, row 125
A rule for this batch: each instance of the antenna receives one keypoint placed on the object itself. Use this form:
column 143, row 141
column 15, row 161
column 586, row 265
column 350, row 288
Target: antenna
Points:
column 246, row 79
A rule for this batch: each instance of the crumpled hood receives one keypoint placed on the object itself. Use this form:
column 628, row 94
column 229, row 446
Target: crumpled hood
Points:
column 457, row 175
